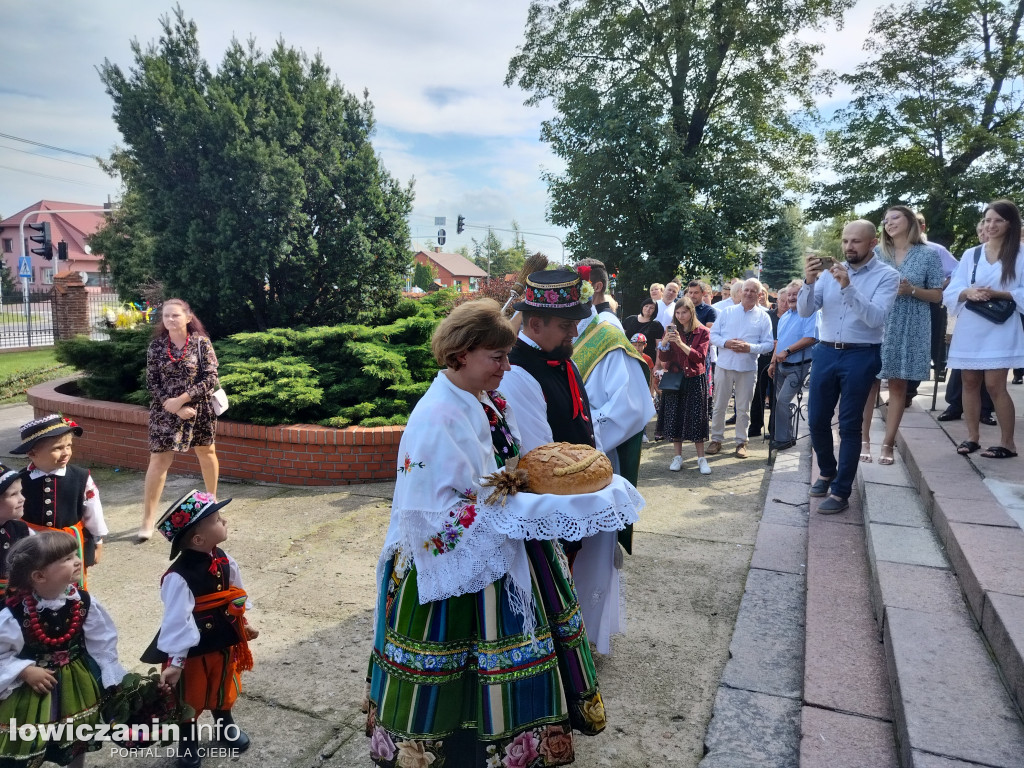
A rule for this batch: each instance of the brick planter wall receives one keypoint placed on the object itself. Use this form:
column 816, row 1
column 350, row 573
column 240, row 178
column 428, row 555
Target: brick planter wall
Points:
column 299, row 454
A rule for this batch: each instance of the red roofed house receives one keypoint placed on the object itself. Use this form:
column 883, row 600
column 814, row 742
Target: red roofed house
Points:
column 452, row 269
column 73, row 228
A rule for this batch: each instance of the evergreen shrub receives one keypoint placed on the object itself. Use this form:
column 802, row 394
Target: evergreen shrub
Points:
column 336, row 376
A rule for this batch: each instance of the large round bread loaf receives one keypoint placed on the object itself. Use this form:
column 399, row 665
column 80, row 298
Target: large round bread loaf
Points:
column 565, row 468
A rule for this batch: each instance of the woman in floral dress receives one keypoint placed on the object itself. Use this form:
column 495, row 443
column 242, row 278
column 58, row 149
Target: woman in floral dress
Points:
column 480, row 657
column 181, row 373
column 906, row 343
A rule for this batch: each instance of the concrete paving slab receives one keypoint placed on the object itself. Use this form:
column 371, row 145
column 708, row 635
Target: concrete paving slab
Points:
column 898, row 544
column 752, row 729
column 919, row 588
column 785, row 512
column 891, row 474
column 838, row 740
column 844, row 665
column 767, row 648
column 986, row 559
column 893, row 505
column 977, row 511
column 956, row 482
column 1010, row 495
column 1003, row 625
column 780, row 548
column 924, row 760
column 949, row 698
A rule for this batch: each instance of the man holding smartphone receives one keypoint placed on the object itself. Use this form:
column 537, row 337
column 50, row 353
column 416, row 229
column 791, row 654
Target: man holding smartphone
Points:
column 854, row 298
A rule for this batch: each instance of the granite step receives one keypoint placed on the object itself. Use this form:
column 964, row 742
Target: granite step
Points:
column 847, row 717
column 931, row 590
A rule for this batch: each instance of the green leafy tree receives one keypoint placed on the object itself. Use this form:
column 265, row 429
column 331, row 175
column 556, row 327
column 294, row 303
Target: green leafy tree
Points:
column 495, row 258
column 675, row 121
column 127, row 248
column 7, row 284
column 827, row 236
column 265, row 201
column 937, row 116
column 423, row 276
column 782, row 258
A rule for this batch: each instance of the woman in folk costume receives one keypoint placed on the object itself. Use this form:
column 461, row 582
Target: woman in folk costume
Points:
column 480, row 657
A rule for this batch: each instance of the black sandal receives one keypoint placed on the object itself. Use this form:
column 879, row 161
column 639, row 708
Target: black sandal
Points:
column 998, row 452
column 968, row 447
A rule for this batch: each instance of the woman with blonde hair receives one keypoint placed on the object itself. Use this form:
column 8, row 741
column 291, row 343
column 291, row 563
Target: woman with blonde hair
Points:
column 906, row 341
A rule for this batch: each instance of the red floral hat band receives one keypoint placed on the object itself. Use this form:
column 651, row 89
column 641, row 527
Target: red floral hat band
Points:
column 548, row 296
column 185, row 513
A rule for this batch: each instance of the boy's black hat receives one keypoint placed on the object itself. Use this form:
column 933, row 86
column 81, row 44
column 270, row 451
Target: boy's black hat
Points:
column 7, row 476
column 557, row 292
column 53, row 425
column 184, row 515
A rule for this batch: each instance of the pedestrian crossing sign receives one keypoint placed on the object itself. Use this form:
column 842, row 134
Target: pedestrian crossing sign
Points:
column 24, row 268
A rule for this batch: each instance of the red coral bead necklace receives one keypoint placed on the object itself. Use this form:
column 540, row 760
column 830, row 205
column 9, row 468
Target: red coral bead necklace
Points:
column 36, row 625
column 184, row 349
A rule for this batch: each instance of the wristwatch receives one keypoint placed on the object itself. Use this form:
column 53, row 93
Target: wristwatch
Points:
column 786, row 350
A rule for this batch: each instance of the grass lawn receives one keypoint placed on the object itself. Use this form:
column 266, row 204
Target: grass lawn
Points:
column 21, row 370
column 13, row 362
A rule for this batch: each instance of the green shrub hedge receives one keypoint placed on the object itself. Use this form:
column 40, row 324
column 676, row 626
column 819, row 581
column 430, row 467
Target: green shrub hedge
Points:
column 335, row 376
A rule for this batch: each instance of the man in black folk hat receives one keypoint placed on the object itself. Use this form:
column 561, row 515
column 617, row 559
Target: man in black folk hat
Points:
column 547, row 394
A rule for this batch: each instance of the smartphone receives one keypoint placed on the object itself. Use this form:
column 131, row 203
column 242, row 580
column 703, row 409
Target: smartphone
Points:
column 827, row 262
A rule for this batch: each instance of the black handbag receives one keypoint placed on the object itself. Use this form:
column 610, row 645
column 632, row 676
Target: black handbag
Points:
column 671, row 382
column 996, row 311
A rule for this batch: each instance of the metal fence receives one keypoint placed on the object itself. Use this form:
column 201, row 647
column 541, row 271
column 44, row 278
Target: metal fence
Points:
column 32, row 324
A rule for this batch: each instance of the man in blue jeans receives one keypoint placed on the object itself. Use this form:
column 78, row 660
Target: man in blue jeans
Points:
column 854, row 298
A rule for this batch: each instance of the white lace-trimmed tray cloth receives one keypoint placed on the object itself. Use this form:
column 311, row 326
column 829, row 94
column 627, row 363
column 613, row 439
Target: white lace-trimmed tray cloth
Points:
column 573, row 517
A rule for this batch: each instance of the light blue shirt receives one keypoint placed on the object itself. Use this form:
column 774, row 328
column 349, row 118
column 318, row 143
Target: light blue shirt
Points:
column 792, row 328
column 854, row 314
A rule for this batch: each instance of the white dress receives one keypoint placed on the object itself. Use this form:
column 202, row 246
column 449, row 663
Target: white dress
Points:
column 979, row 344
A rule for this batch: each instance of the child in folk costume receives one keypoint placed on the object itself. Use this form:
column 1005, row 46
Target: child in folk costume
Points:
column 202, row 641
column 59, row 495
column 12, row 507
column 58, row 650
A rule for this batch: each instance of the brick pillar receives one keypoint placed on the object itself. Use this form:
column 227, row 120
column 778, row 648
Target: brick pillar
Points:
column 70, row 306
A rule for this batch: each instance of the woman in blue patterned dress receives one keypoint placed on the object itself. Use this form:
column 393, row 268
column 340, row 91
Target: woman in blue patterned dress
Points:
column 906, row 343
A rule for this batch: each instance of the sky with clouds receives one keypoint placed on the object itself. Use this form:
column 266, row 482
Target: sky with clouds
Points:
column 434, row 70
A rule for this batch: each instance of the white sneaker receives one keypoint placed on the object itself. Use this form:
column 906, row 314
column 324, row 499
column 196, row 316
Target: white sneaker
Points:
column 676, row 465
column 702, row 465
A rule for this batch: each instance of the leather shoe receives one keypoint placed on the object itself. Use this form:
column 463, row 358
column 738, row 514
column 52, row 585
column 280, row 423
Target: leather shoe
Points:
column 781, row 445
column 741, row 451
column 988, row 419
column 713, row 447
column 730, row 421
column 950, row 415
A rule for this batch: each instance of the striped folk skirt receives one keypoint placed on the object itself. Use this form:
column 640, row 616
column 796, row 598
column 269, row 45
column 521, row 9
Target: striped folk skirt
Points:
column 457, row 683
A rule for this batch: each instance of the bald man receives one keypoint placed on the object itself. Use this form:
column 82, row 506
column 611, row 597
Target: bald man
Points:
column 854, row 297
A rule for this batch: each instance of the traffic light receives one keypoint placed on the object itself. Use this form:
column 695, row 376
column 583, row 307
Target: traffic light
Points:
column 46, row 247
column 62, row 251
column 461, row 225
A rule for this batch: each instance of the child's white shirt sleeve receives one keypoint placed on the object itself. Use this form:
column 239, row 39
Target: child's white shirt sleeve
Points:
column 92, row 514
column 178, row 630
column 235, row 579
column 101, row 644
column 11, row 643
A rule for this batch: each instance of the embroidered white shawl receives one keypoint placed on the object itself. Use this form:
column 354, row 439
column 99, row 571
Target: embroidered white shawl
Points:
column 458, row 543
